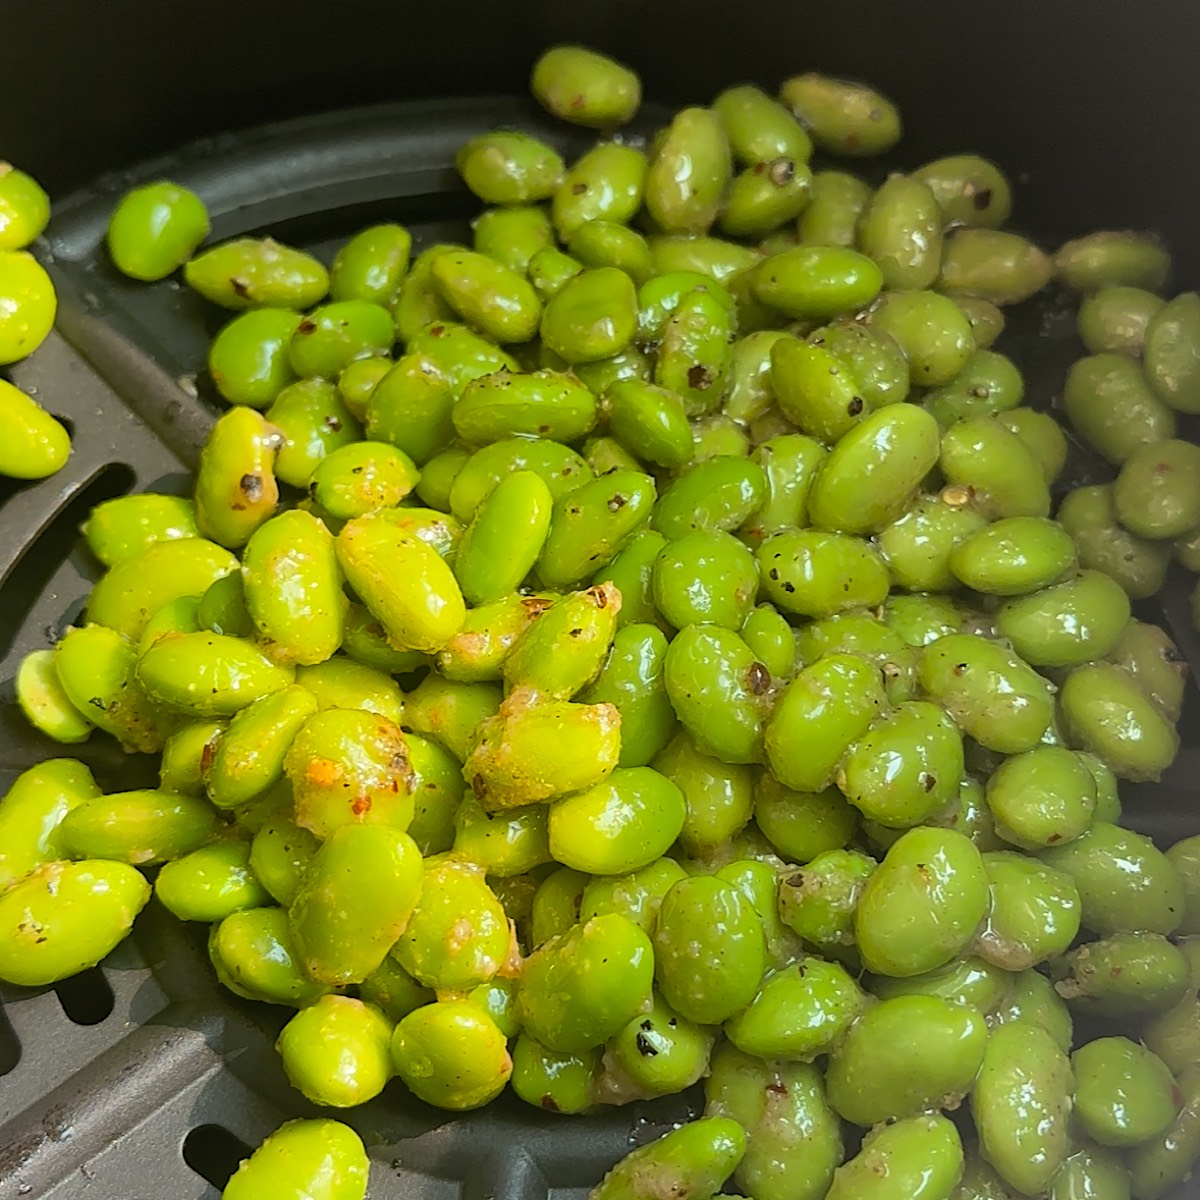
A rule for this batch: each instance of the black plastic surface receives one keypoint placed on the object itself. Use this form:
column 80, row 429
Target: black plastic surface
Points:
column 144, row 1080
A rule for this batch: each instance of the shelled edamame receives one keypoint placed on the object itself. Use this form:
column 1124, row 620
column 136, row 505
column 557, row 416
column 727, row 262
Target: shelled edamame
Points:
column 616, row 654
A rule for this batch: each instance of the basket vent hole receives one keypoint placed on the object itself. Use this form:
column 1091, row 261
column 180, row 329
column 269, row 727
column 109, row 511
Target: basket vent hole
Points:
column 50, row 546
column 214, row 1153
column 10, row 1048
column 86, row 998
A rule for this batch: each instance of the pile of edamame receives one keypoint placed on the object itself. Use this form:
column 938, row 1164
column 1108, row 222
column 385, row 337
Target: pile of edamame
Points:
column 635, row 649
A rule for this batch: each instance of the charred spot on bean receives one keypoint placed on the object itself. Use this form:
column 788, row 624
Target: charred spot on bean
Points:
column 333, row 424
column 616, row 502
column 959, row 670
column 758, row 678
column 855, row 406
column 782, row 171
column 699, row 377
column 928, row 782
column 251, row 486
column 981, row 199
column 307, row 326
column 549, row 1104
column 240, row 287
column 577, row 189
column 645, row 1046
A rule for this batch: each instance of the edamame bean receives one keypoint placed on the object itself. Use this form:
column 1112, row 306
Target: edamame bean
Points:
column 1114, row 320
column 690, row 1161
column 709, row 949
column 1125, row 975
column 97, row 669
column 688, row 172
column 1032, row 997
column 211, row 882
column 801, row 1011
column 504, row 539
column 118, row 529
column 920, row 1158
column 1013, row 556
column 618, row 826
column 508, row 167
column 606, row 184
column 906, row 766
column 1125, row 883
column 139, row 827
column 835, row 204
column 1001, row 475
column 1089, row 516
column 1068, row 623
column 34, row 444
column 28, row 304
column 44, row 702
column 1150, row 656
column 971, row 191
column 371, row 265
column 65, row 917
column 488, row 295
column 355, row 898
column 883, row 1070
column 716, row 687
column 794, row 1139
column 1043, row 797
column 1034, row 912
column 589, row 525
column 817, row 574
column 719, row 795
column 257, row 273
column 236, row 489
column 582, row 987
column 1112, row 407
column 1124, row 1095
column 1170, row 353
column 1158, row 1165
column 902, row 231
column 1021, row 1104
column 32, row 812
column 872, row 474
column 585, row 87
column 337, row 1052
column 802, row 825
column 992, row 695
column 1112, row 258
column 534, row 750
column 553, row 1081
column 655, row 1054
column 320, row 1160
column 844, row 118
column 817, row 282
column 931, row 329
column 705, row 577
column 995, row 265
column 155, row 229
column 818, row 716
column 921, row 907
column 1114, row 719
column 24, row 208
column 918, row 546
column 593, row 317
column 988, row 385
column 458, row 936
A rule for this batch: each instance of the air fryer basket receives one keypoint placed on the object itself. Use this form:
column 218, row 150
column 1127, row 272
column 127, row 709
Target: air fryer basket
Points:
column 143, row 1079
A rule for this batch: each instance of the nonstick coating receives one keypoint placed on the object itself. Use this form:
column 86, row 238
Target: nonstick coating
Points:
column 143, row 1080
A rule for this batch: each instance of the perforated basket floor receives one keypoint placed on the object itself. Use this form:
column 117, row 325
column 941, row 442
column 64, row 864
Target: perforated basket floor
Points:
column 142, row 1079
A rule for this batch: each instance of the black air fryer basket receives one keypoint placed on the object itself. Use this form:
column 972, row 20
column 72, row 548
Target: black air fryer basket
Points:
column 143, row 1079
